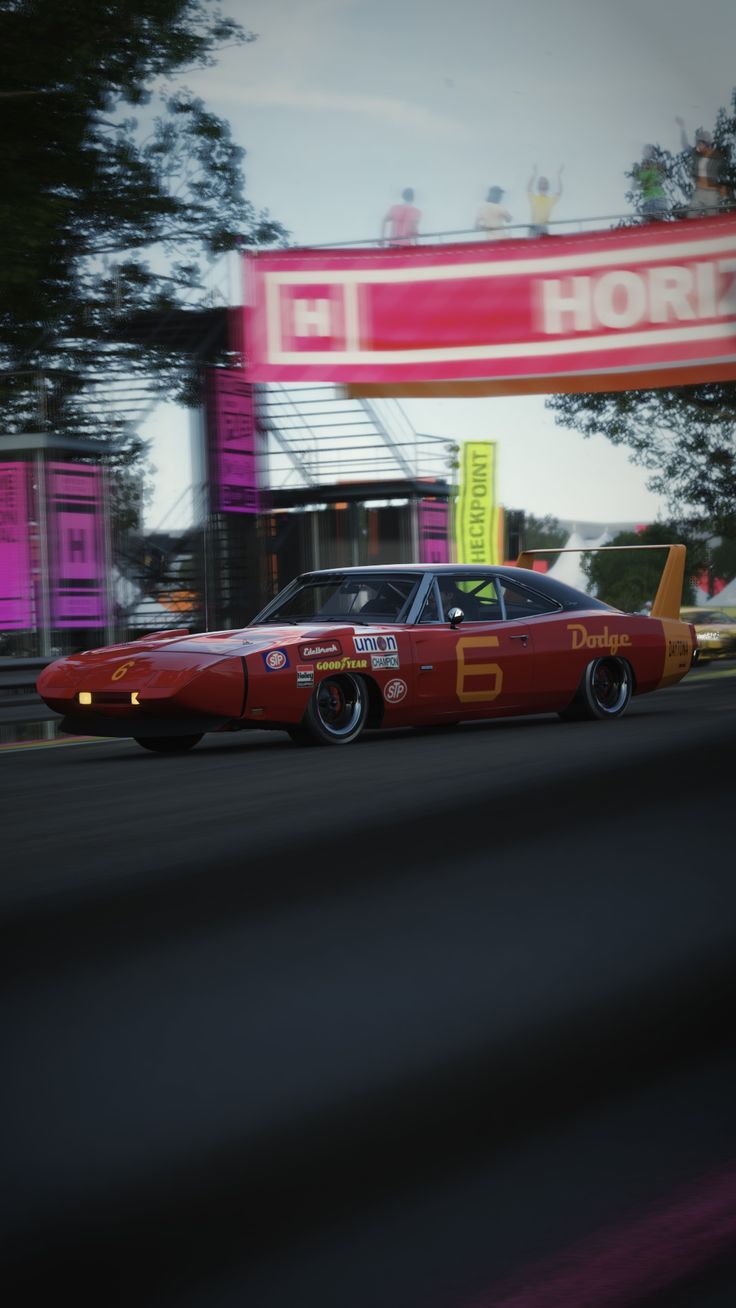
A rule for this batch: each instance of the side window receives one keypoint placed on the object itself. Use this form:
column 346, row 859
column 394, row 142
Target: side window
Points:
column 488, row 603
column 431, row 610
column 521, row 603
column 476, row 596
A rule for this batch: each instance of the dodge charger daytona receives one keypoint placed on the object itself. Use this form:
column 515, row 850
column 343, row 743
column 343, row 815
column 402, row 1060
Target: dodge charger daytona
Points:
column 345, row 649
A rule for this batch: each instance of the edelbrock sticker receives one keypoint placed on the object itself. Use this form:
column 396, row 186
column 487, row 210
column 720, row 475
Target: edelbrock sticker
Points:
column 320, row 649
column 375, row 644
column 379, row 661
column 275, row 659
column 395, row 690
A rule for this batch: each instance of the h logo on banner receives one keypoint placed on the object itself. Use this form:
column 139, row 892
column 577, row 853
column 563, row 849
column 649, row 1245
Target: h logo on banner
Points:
column 312, row 318
column 76, row 546
column 317, row 317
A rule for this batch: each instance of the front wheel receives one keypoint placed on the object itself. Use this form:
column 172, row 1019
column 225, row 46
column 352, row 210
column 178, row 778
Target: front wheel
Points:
column 168, row 744
column 337, row 710
column 604, row 692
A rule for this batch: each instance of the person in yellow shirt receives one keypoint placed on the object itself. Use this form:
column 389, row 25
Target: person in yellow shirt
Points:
column 542, row 201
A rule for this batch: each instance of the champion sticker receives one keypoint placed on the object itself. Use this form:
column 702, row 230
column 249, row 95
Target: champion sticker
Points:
column 276, row 659
column 305, row 676
column 381, row 661
column 320, row 649
column 375, row 644
column 394, row 691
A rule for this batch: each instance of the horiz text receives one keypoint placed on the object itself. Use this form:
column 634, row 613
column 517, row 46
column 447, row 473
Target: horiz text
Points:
column 622, row 298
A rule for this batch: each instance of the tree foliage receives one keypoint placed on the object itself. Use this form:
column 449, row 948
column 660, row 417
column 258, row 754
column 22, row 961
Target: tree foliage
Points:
column 117, row 183
column 684, row 437
column 545, row 533
column 628, row 581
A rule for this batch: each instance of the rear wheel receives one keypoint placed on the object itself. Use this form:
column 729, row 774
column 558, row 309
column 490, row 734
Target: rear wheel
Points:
column 604, row 692
column 168, row 744
column 337, row 710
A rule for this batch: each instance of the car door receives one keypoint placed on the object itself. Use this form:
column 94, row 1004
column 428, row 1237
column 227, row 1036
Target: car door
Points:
column 482, row 666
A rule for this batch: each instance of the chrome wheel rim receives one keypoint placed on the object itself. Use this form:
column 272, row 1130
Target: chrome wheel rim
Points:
column 339, row 704
column 609, row 685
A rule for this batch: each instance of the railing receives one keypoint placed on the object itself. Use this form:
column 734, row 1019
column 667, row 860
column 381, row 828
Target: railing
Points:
column 19, row 699
column 512, row 231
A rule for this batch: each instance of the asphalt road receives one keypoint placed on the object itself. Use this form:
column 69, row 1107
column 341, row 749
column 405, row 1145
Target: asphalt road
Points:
column 383, row 1025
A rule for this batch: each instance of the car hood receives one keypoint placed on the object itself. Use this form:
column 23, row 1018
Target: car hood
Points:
column 172, row 657
column 248, row 640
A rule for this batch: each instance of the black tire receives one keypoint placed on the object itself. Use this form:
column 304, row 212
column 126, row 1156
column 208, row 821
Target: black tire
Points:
column 604, row 691
column 168, row 744
column 337, row 710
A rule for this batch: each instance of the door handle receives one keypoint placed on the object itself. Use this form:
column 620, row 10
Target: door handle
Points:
column 523, row 638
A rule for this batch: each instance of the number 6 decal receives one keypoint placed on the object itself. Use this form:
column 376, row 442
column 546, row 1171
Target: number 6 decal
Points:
column 466, row 670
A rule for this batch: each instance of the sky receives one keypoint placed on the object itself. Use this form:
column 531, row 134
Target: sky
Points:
column 340, row 104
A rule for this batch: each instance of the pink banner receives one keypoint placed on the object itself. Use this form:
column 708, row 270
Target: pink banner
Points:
column 434, row 544
column 16, row 581
column 76, row 536
column 231, row 437
column 652, row 297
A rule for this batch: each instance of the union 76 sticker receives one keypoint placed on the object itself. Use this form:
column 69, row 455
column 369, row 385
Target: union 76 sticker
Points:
column 375, row 644
column 394, row 690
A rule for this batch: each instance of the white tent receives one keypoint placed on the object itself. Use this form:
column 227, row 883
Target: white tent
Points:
column 568, row 566
column 725, row 598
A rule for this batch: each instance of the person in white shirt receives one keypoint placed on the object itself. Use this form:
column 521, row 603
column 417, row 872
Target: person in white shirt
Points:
column 492, row 216
column 706, row 169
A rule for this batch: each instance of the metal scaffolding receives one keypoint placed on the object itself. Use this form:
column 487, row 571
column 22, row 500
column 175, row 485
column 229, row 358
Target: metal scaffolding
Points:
column 317, row 436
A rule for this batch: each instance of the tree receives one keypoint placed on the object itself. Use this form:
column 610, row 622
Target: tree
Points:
column 628, row 580
column 543, row 533
column 686, row 436
column 117, row 181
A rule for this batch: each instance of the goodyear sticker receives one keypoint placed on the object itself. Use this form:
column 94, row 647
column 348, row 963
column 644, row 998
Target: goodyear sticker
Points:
column 343, row 664
column 275, row 659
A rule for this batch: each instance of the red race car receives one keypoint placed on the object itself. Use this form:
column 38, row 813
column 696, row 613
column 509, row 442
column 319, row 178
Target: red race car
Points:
column 408, row 645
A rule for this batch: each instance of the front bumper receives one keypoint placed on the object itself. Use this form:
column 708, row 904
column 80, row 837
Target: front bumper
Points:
column 95, row 724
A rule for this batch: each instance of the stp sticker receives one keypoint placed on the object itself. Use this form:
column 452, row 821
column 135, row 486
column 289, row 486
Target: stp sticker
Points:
column 305, row 676
column 375, row 644
column 394, row 690
column 276, row 659
column 320, row 649
column 381, row 661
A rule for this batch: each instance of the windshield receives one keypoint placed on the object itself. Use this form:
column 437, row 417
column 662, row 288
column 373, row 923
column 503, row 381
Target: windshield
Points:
column 357, row 599
column 708, row 616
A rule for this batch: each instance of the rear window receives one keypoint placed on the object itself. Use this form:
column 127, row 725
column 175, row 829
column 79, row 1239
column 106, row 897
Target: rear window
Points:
column 522, row 603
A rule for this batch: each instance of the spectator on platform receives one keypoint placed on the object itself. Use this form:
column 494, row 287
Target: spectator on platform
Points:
column 706, row 169
column 542, row 201
column 492, row 216
column 649, row 175
column 401, row 221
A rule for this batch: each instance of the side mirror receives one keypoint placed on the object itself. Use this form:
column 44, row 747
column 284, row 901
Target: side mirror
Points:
column 456, row 616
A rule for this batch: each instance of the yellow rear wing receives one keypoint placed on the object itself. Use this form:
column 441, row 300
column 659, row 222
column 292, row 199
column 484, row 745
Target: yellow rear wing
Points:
column 668, row 599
